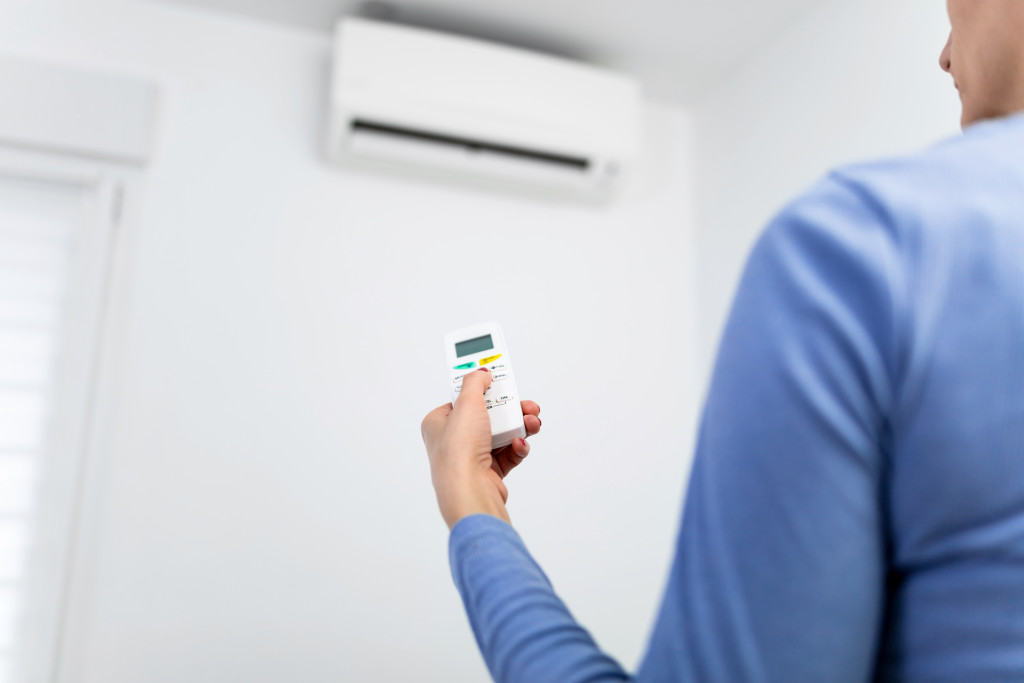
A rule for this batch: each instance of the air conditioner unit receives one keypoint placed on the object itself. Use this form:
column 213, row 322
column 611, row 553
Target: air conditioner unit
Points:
column 457, row 105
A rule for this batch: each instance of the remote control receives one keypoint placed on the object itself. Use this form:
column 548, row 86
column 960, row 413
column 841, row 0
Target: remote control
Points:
column 483, row 346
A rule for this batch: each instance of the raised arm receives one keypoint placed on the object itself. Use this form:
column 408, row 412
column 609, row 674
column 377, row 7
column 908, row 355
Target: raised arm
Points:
column 780, row 570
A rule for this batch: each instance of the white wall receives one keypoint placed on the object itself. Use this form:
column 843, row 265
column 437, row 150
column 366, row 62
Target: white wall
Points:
column 847, row 82
column 260, row 508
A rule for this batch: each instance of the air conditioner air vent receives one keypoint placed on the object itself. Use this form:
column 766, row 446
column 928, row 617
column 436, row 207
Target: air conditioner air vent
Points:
column 469, row 145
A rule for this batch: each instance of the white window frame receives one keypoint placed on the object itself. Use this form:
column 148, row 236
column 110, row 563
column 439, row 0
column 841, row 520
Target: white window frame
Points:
column 73, row 462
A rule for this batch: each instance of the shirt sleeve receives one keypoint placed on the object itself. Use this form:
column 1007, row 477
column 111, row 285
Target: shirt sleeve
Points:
column 780, row 568
column 524, row 631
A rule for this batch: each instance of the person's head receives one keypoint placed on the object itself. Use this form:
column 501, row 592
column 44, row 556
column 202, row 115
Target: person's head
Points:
column 985, row 56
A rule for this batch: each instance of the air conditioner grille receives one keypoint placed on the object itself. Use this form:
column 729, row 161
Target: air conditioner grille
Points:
column 568, row 162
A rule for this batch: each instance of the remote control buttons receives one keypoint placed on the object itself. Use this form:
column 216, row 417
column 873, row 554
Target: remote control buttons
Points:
column 493, row 396
column 498, row 371
column 499, row 398
column 465, row 366
column 489, row 359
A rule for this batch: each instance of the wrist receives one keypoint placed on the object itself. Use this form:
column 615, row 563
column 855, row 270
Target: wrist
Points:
column 458, row 514
column 467, row 496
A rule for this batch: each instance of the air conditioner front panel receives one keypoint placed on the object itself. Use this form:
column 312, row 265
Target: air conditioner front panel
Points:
column 425, row 99
column 471, row 75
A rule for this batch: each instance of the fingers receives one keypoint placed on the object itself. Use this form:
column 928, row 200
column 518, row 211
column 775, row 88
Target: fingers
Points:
column 532, row 424
column 530, row 408
column 480, row 379
column 473, row 386
column 520, row 449
column 506, row 459
column 531, row 417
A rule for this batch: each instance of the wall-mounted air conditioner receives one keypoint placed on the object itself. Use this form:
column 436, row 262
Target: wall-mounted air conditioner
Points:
column 408, row 96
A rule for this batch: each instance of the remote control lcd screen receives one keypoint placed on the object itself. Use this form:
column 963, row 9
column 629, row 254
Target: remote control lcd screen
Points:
column 471, row 346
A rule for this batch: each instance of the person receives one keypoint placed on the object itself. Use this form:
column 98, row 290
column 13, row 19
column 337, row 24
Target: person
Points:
column 856, row 506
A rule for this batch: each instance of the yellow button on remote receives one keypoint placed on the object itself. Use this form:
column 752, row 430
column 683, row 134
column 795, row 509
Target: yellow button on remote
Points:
column 485, row 361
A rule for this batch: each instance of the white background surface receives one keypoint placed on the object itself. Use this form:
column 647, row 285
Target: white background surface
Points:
column 260, row 509
column 677, row 49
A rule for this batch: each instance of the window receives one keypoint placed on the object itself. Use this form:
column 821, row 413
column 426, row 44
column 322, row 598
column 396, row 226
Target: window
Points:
column 72, row 139
column 55, row 242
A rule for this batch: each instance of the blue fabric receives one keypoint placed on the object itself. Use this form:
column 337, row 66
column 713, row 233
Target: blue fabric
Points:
column 856, row 507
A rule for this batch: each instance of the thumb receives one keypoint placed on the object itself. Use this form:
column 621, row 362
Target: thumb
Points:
column 473, row 387
column 433, row 423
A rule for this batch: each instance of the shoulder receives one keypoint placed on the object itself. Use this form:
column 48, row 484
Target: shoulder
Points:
column 986, row 163
column 896, row 208
column 890, row 241
column 834, row 222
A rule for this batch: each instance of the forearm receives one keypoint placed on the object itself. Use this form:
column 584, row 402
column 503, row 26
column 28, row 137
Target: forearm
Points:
column 524, row 631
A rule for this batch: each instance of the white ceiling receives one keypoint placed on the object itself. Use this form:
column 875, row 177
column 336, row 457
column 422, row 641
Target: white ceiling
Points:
column 678, row 48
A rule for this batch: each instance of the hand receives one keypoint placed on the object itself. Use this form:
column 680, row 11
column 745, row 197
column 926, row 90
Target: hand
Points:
column 467, row 475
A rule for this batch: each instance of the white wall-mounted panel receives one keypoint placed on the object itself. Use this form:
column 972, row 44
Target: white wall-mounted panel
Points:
column 74, row 111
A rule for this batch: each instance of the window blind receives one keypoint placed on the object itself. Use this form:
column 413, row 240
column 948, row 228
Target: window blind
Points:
column 41, row 226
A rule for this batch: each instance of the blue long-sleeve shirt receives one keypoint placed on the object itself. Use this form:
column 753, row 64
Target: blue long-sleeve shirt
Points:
column 856, row 507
